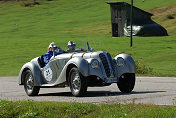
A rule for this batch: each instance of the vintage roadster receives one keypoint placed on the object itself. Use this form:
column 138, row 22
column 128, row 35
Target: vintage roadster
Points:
column 78, row 70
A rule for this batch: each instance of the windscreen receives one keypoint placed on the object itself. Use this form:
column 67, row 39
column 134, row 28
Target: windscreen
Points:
column 80, row 45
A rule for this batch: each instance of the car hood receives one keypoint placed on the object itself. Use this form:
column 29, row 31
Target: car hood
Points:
column 80, row 54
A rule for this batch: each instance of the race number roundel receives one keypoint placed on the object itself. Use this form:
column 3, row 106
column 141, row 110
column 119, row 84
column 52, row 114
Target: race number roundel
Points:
column 48, row 73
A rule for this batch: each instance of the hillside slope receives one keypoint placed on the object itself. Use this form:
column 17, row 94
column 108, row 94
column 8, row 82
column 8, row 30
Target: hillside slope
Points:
column 25, row 33
column 166, row 16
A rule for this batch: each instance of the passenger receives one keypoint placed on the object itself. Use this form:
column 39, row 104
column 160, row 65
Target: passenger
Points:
column 71, row 46
column 47, row 56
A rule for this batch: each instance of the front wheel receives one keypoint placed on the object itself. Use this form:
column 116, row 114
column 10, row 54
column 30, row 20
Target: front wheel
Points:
column 126, row 82
column 77, row 82
column 29, row 87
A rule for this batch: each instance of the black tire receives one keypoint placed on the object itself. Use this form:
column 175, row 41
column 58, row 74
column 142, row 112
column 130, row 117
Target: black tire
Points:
column 29, row 87
column 77, row 82
column 126, row 82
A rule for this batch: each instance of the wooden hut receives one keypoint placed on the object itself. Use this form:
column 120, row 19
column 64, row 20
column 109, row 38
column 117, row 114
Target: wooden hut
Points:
column 142, row 23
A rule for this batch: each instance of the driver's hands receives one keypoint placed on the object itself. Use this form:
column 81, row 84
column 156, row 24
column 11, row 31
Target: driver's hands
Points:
column 59, row 47
column 57, row 50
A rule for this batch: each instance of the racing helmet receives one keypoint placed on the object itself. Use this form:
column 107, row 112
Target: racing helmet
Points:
column 71, row 43
column 52, row 45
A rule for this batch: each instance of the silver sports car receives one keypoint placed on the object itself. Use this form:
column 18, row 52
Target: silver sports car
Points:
column 78, row 70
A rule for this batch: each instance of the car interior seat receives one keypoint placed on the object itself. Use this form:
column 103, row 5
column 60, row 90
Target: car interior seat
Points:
column 41, row 62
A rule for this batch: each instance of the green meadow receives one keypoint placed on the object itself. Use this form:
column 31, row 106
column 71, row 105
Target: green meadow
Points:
column 25, row 33
column 32, row 109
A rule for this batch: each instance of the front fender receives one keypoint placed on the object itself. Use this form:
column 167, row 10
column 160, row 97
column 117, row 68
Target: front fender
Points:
column 81, row 64
column 129, row 64
column 35, row 71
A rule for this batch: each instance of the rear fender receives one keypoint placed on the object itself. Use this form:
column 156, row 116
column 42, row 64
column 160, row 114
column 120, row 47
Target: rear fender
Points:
column 35, row 71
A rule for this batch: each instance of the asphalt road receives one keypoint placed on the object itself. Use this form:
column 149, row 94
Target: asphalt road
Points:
column 148, row 90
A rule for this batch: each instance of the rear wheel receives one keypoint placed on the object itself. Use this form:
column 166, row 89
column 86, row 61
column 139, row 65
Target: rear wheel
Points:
column 126, row 82
column 77, row 82
column 29, row 87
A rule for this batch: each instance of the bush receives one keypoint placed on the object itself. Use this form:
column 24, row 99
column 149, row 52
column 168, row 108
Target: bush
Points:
column 143, row 69
column 28, row 4
column 170, row 16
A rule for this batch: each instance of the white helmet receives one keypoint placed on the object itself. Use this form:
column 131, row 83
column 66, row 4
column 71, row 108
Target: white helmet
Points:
column 71, row 43
column 52, row 45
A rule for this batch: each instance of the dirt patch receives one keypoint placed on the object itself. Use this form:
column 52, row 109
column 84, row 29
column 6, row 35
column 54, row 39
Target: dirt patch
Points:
column 164, row 11
column 165, row 16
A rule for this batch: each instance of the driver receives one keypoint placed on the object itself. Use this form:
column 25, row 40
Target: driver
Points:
column 47, row 56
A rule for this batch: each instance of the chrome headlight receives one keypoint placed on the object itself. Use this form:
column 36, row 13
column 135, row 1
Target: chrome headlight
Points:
column 94, row 63
column 120, row 61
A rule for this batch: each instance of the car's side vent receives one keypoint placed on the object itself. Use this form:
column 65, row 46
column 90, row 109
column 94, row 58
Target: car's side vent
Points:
column 105, row 64
column 111, row 62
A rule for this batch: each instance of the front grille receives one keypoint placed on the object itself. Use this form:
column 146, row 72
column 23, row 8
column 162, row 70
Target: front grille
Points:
column 111, row 62
column 105, row 64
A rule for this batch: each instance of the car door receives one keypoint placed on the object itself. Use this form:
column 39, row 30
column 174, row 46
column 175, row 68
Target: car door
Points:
column 50, row 71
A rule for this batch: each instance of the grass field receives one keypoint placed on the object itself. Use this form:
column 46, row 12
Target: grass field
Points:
column 31, row 109
column 25, row 33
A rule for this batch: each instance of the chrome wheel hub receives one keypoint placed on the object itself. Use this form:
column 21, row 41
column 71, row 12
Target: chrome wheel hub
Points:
column 76, row 82
column 30, row 82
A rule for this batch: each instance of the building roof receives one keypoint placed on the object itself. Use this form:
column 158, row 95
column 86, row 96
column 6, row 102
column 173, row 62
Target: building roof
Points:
column 124, row 3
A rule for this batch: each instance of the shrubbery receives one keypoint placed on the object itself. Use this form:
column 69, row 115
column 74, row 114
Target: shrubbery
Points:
column 143, row 69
